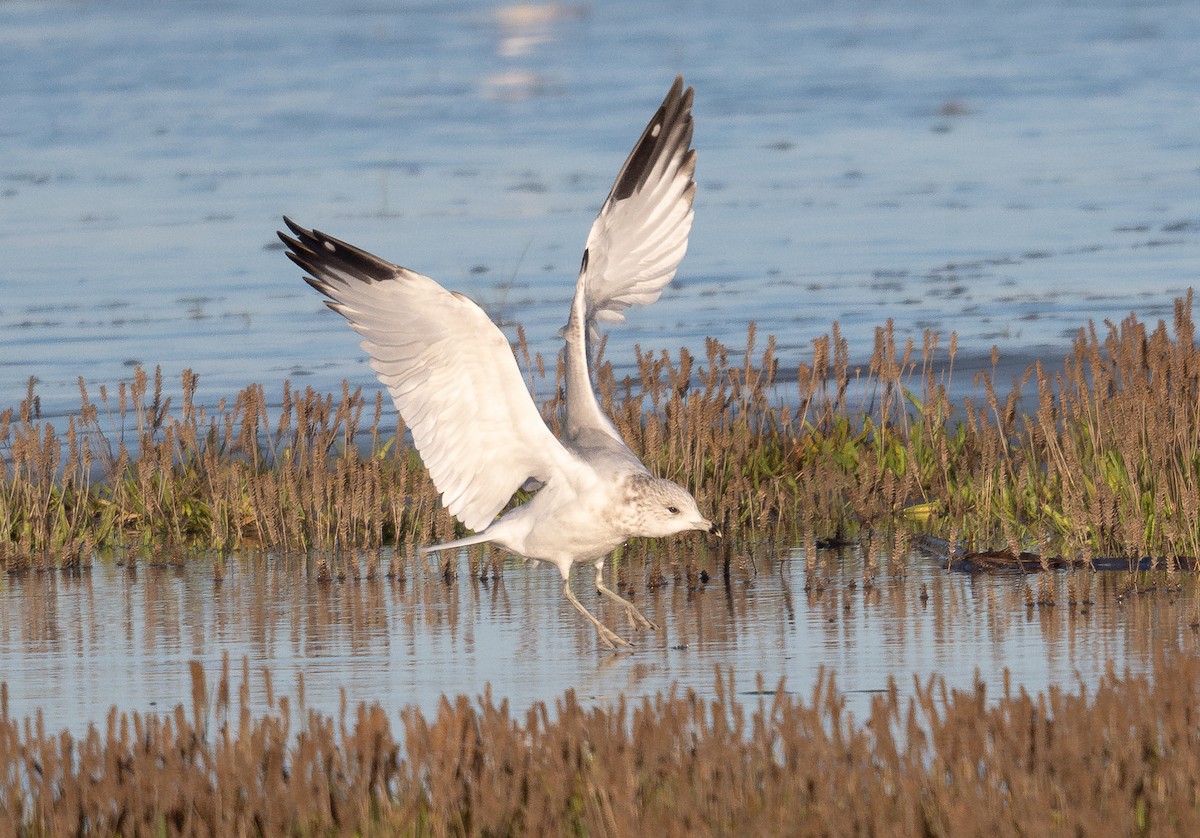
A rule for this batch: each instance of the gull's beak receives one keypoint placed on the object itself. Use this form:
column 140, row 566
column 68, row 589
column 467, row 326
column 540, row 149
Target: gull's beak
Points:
column 712, row 528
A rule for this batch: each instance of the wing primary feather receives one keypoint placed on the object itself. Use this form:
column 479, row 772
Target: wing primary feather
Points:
column 313, row 251
column 638, row 164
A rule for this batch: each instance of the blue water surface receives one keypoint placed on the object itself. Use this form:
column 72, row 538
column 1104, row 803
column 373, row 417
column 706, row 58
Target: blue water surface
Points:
column 1004, row 170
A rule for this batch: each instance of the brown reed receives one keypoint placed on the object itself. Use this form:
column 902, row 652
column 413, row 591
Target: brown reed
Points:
column 1122, row 759
column 1103, row 463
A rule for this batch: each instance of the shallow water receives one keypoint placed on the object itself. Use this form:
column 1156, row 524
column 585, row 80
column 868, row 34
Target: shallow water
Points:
column 1005, row 170
column 71, row 647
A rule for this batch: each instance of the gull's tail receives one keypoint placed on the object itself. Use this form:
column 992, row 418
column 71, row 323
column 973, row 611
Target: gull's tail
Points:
column 478, row 538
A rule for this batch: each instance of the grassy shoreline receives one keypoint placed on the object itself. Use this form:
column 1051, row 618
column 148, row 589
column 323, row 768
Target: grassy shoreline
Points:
column 1104, row 462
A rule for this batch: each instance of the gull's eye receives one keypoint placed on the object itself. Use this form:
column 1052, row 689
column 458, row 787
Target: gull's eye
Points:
column 674, row 510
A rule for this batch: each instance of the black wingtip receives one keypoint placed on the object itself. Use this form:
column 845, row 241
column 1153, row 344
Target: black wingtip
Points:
column 676, row 108
column 303, row 238
column 321, row 255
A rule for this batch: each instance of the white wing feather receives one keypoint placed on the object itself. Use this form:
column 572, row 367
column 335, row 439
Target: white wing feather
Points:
column 641, row 233
column 633, row 249
column 449, row 370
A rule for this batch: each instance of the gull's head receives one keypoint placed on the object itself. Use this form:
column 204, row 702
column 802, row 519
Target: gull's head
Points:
column 664, row 508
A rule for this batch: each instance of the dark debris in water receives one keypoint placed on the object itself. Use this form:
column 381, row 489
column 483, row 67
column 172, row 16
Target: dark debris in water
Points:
column 999, row 561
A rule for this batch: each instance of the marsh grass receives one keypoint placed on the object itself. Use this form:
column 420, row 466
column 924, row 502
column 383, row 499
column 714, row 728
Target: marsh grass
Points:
column 941, row 762
column 1097, row 459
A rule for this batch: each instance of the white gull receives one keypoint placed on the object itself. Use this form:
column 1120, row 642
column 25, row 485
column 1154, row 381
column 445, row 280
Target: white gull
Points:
column 455, row 381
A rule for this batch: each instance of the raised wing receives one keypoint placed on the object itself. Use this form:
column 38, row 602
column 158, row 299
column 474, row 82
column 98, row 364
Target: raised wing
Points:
column 634, row 246
column 641, row 233
column 449, row 370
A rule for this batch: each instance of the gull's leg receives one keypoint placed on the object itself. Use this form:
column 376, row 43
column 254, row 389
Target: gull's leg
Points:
column 610, row 638
column 636, row 618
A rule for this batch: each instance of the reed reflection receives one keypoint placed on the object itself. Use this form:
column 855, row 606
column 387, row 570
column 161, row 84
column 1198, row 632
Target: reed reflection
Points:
column 399, row 630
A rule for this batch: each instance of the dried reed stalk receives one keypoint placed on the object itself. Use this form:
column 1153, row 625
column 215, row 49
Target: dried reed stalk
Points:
column 1121, row 759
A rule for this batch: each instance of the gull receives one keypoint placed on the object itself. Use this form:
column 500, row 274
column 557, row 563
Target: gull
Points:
column 455, row 381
